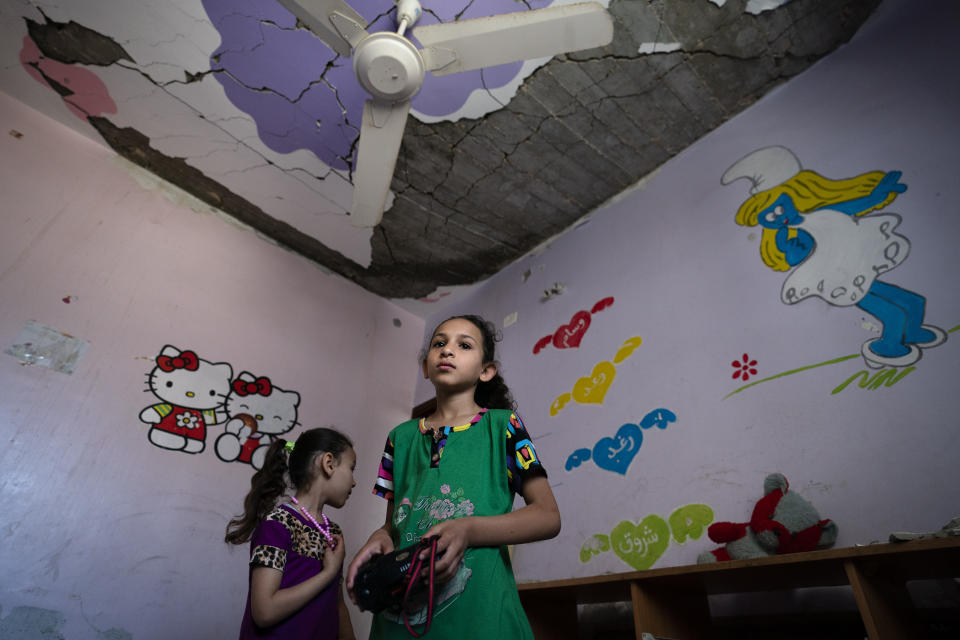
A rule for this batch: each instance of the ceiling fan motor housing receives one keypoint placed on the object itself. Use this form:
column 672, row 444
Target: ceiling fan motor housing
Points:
column 388, row 66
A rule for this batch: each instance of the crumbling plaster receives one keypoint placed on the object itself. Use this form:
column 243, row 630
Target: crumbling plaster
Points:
column 473, row 195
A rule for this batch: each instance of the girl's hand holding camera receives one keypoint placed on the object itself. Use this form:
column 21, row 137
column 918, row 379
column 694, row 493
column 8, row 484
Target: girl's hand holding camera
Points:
column 453, row 540
column 378, row 544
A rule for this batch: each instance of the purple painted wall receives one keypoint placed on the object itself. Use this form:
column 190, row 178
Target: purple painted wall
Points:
column 261, row 47
column 698, row 328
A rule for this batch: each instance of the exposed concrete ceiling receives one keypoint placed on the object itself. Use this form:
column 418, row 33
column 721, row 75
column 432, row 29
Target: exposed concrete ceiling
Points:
column 471, row 195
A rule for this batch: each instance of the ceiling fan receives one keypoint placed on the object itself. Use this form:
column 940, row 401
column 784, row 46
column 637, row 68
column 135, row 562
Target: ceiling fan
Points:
column 391, row 68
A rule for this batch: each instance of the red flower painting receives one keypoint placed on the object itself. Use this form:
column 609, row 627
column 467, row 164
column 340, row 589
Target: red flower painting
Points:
column 744, row 368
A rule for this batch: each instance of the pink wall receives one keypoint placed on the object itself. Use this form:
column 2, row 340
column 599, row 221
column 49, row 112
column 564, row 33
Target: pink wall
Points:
column 102, row 529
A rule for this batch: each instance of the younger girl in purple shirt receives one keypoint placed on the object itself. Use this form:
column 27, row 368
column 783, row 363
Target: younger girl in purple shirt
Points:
column 296, row 552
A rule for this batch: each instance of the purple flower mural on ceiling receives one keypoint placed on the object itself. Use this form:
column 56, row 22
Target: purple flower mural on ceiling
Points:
column 302, row 95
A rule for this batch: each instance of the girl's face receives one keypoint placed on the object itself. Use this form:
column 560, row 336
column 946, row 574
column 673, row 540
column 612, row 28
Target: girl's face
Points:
column 455, row 357
column 341, row 481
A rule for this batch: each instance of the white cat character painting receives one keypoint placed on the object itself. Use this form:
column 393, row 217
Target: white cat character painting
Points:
column 191, row 392
column 259, row 412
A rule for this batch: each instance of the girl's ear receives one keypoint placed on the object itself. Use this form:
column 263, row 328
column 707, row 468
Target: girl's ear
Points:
column 423, row 366
column 488, row 371
column 328, row 463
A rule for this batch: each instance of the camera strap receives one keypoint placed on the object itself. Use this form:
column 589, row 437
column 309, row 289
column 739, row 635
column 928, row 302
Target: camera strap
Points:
column 413, row 576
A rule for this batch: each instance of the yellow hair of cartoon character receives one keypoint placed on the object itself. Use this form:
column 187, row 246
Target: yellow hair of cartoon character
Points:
column 809, row 191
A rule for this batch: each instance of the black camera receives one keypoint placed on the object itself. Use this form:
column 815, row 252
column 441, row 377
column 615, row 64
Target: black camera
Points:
column 384, row 581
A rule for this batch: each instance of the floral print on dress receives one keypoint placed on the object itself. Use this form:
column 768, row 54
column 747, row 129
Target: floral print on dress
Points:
column 450, row 504
column 442, row 509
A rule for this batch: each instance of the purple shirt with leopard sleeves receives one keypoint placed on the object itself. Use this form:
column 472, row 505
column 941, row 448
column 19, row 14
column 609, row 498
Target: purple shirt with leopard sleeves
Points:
column 285, row 541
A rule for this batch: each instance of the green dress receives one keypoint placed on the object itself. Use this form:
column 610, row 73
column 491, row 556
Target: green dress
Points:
column 470, row 479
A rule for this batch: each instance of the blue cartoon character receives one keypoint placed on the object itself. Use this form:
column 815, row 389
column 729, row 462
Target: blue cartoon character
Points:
column 819, row 230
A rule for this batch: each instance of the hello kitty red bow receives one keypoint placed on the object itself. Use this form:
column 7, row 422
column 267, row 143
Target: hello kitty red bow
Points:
column 186, row 360
column 261, row 385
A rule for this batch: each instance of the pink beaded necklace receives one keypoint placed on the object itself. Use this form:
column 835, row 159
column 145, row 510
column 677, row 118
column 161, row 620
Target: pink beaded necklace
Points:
column 326, row 522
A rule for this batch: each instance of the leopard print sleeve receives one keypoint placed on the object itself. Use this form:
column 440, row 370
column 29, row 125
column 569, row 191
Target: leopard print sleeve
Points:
column 267, row 556
column 271, row 541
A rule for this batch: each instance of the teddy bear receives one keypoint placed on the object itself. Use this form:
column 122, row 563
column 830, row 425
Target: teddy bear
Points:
column 782, row 522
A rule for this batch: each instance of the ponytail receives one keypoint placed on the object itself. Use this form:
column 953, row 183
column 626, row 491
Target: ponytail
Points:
column 269, row 484
column 266, row 487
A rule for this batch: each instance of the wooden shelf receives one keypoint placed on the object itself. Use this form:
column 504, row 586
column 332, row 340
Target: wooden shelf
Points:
column 672, row 602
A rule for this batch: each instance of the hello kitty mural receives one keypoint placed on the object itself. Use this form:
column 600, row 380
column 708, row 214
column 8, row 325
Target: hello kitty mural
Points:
column 259, row 412
column 191, row 392
column 194, row 395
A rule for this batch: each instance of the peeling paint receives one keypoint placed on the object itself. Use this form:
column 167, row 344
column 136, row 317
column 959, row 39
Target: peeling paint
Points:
column 71, row 43
column 33, row 622
column 36, row 623
column 576, row 131
column 150, row 181
column 82, row 91
column 658, row 47
column 37, row 344
column 757, row 7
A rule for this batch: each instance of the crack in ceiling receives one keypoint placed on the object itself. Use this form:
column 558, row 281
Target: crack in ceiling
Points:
column 474, row 195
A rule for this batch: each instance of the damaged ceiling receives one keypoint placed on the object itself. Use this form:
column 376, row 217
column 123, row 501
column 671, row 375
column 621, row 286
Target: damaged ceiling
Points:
column 237, row 104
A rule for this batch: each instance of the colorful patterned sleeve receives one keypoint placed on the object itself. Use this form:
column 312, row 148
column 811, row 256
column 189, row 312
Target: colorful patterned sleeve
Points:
column 384, row 484
column 522, row 460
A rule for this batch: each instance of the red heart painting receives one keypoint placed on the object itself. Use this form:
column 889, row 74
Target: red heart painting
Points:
column 541, row 343
column 602, row 304
column 569, row 336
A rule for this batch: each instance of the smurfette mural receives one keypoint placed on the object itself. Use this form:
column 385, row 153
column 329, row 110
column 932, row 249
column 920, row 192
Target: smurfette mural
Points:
column 191, row 392
column 825, row 233
column 259, row 412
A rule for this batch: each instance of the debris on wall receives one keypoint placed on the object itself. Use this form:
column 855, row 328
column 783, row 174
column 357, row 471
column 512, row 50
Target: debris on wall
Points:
column 37, row 344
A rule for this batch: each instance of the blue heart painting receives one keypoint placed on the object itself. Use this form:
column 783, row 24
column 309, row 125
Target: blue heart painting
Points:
column 576, row 458
column 616, row 453
column 659, row 417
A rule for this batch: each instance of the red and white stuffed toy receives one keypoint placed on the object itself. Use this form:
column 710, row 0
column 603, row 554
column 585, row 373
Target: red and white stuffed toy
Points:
column 782, row 522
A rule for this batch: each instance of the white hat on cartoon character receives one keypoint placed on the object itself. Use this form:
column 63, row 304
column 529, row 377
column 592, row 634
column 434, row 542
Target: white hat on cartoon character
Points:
column 764, row 168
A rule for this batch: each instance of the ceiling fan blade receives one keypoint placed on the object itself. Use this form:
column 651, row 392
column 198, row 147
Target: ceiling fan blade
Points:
column 333, row 21
column 451, row 47
column 380, row 137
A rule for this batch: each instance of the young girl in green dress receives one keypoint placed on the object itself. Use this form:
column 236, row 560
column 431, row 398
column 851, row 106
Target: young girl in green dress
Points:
column 453, row 475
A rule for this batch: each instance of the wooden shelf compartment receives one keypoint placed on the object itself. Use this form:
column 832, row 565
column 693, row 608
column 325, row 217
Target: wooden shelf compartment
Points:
column 672, row 601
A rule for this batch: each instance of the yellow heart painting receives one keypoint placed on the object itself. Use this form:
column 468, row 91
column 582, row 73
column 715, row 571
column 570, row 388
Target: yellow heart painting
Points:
column 593, row 389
